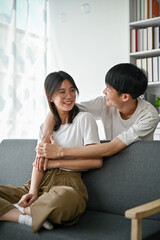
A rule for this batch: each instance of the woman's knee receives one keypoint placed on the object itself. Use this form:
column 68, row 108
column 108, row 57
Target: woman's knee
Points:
column 64, row 196
column 10, row 193
column 67, row 205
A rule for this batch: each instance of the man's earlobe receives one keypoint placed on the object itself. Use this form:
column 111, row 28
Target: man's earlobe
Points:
column 126, row 97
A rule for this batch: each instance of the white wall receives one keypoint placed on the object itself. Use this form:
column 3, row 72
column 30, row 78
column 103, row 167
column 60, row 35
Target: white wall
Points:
column 86, row 45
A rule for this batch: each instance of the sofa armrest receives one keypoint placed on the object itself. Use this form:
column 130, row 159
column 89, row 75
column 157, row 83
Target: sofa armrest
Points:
column 138, row 213
column 144, row 210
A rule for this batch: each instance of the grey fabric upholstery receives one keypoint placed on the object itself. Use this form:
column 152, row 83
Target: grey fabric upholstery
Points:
column 131, row 179
column 93, row 225
column 128, row 179
column 16, row 158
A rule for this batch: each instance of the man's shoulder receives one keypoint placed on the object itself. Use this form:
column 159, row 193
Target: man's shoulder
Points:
column 146, row 105
column 148, row 110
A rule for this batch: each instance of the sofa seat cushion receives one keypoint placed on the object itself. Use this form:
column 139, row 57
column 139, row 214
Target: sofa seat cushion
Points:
column 92, row 225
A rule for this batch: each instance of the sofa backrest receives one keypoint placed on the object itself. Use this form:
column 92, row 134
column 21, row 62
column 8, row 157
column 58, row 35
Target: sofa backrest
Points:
column 16, row 158
column 127, row 179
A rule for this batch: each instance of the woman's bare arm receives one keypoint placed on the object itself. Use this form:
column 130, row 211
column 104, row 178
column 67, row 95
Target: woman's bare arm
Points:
column 36, row 179
column 30, row 197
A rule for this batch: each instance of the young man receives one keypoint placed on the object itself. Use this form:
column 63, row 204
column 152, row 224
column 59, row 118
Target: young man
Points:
column 126, row 117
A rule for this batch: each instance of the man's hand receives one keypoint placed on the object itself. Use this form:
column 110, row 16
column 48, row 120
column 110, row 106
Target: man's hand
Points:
column 27, row 199
column 47, row 150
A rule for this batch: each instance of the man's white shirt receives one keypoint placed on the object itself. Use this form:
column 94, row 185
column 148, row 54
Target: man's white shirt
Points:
column 140, row 126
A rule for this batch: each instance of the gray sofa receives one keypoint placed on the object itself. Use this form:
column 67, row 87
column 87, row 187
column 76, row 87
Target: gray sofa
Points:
column 127, row 179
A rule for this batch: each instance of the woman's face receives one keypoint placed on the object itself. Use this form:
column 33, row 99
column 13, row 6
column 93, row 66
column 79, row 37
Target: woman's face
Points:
column 65, row 97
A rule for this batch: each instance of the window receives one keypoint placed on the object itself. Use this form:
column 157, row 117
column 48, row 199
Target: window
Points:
column 23, row 54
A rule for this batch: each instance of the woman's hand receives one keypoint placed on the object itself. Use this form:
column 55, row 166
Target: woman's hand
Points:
column 27, row 199
column 41, row 163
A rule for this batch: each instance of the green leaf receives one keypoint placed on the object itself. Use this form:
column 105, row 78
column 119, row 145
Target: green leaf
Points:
column 157, row 103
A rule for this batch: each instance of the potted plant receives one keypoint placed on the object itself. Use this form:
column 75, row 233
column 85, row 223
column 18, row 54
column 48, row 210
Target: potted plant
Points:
column 157, row 104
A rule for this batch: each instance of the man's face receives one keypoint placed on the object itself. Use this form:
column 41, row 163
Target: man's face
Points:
column 112, row 97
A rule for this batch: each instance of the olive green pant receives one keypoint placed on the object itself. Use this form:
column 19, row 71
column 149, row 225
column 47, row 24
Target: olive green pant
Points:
column 62, row 198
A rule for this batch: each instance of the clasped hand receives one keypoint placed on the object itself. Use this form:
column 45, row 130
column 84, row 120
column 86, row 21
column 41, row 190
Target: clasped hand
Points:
column 48, row 150
column 41, row 163
column 45, row 151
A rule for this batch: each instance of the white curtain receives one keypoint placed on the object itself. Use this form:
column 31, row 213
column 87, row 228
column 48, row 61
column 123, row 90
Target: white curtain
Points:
column 23, row 48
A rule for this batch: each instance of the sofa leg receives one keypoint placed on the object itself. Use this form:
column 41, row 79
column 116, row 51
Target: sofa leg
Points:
column 136, row 229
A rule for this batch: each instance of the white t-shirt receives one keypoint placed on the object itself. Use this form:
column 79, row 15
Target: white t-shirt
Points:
column 140, row 126
column 81, row 132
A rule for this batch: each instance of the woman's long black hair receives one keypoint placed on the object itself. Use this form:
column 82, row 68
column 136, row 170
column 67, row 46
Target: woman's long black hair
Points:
column 51, row 85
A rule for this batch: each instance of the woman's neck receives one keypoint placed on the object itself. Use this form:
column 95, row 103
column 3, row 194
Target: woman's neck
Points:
column 64, row 117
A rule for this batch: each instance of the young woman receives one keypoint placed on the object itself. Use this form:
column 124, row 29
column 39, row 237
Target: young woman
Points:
column 59, row 193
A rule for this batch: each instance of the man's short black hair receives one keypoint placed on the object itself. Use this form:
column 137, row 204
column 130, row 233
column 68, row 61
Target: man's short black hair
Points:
column 127, row 78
